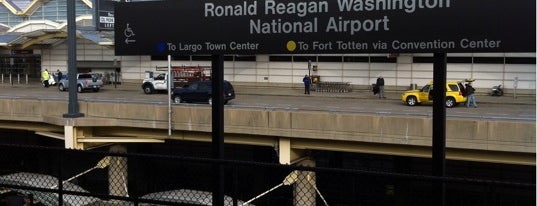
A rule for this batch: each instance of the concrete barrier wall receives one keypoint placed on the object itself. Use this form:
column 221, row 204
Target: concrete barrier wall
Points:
column 315, row 125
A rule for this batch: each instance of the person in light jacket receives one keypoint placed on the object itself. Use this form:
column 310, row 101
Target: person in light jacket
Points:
column 46, row 76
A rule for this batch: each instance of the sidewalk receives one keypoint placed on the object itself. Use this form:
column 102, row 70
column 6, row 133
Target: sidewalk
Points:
column 366, row 94
column 240, row 89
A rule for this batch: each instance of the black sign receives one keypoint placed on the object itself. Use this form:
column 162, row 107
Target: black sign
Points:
column 16, row 52
column 104, row 14
column 179, row 27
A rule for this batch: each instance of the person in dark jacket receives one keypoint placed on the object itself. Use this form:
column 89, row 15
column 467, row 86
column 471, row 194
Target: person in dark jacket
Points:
column 470, row 96
column 59, row 75
column 307, row 82
column 380, row 85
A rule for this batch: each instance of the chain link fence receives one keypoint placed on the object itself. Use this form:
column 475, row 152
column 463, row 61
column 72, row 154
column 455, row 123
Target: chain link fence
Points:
column 52, row 176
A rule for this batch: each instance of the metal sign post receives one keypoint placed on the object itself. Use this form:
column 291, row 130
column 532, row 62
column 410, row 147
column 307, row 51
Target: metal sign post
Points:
column 170, row 90
column 515, row 85
column 71, row 62
column 309, row 68
column 217, row 82
column 439, row 126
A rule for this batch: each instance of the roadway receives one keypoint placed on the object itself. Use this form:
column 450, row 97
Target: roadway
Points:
column 505, row 108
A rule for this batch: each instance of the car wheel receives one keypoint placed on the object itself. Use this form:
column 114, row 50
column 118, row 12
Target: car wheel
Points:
column 177, row 100
column 61, row 88
column 450, row 102
column 148, row 89
column 411, row 101
column 210, row 101
column 79, row 88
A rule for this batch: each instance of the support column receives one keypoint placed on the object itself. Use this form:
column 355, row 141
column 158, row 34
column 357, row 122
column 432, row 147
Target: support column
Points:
column 304, row 192
column 439, row 127
column 72, row 134
column 118, row 172
column 284, row 151
column 286, row 154
column 70, row 137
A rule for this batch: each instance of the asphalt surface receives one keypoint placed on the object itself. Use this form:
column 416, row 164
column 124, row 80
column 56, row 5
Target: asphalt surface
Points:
column 508, row 98
column 366, row 94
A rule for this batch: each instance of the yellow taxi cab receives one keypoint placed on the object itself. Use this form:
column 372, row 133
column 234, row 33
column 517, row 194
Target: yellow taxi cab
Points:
column 454, row 94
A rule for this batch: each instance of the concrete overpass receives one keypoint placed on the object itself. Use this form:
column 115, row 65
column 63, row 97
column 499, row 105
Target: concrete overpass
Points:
column 291, row 132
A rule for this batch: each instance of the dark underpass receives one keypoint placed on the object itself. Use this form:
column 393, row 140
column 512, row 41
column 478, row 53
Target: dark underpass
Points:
column 341, row 178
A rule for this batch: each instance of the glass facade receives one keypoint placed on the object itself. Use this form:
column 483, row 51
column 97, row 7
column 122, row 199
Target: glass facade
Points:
column 25, row 62
column 21, row 64
column 53, row 10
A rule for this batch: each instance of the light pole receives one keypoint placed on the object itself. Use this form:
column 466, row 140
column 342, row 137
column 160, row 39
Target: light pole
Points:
column 71, row 62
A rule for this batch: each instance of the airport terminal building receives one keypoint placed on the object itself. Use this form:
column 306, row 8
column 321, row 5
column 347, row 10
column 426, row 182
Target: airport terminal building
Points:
column 33, row 37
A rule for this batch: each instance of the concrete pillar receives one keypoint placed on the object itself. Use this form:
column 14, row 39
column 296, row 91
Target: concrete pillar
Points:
column 118, row 172
column 284, row 150
column 71, row 135
column 286, row 154
column 304, row 192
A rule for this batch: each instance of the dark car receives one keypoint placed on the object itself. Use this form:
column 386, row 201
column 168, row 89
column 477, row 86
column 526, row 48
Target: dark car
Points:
column 201, row 92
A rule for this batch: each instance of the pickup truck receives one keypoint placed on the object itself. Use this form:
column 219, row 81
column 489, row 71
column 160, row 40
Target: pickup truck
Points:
column 84, row 81
column 181, row 76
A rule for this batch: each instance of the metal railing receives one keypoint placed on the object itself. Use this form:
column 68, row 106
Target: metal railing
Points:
column 14, row 78
column 334, row 87
column 52, row 176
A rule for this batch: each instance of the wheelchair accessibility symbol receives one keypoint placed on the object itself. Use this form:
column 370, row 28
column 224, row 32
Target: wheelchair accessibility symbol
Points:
column 128, row 32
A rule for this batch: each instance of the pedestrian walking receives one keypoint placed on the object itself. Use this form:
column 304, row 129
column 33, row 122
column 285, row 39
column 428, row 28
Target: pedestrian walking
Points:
column 307, row 83
column 470, row 96
column 45, row 75
column 380, row 85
